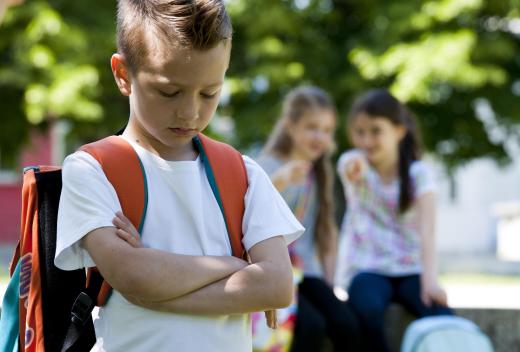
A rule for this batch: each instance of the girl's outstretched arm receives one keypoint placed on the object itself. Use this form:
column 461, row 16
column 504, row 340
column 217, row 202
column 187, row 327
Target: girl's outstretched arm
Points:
column 292, row 172
column 431, row 292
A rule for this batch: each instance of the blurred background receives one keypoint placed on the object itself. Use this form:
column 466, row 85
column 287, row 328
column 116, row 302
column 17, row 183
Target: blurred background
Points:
column 455, row 62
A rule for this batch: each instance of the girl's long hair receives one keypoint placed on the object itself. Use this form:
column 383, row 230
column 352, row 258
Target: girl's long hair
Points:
column 298, row 102
column 380, row 103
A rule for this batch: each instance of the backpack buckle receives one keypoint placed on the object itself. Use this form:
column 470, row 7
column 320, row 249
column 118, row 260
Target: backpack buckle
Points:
column 81, row 309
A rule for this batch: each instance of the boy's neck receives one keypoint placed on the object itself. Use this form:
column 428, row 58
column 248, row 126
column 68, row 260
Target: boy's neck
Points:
column 177, row 152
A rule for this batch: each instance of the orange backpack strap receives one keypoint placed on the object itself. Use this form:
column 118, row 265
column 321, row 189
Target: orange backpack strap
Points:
column 227, row 176
column 125, row 172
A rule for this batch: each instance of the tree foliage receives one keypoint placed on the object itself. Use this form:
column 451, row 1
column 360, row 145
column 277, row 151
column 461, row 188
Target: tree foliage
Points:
column 455, row 62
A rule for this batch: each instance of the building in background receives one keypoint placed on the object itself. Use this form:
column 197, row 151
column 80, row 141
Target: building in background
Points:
column 46, row 148
column 478, row 217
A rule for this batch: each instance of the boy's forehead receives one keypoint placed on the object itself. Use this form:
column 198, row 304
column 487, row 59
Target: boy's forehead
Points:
column 187, row 65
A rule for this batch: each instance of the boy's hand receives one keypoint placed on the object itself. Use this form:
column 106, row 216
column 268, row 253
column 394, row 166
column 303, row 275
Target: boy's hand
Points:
column 126, row 230
column 270, row 317
column 432, row 293
column 355, row 169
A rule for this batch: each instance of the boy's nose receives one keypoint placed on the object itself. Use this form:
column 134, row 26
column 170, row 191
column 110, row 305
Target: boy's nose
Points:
column 188, row 110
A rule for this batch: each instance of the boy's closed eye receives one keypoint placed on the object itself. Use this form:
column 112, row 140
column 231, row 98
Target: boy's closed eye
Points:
column 173, row 94
column 167, row 94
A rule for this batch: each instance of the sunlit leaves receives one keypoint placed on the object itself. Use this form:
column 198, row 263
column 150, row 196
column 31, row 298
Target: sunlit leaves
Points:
column 437, row 58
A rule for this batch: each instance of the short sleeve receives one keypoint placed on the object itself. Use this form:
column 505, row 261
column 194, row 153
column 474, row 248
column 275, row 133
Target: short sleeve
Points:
column 88, row 202
column 423, row 178
column 266, row 213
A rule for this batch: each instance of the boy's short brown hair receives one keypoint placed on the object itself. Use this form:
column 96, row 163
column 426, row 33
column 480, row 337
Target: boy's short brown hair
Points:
column 142, row 25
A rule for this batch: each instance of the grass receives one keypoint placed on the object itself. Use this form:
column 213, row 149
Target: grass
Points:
column 479, row 279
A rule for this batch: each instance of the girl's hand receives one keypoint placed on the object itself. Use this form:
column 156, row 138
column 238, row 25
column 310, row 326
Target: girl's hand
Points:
column 271, row 318
column 126, row 231
column 355, row 169
column 295, row 171
column 432, row 293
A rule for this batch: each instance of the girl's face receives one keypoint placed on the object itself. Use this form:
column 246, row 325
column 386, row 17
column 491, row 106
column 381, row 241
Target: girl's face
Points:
column 377, row 136
column 312, row 134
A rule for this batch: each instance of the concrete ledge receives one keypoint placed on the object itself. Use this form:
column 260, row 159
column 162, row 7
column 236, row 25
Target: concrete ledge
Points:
column 501, row 325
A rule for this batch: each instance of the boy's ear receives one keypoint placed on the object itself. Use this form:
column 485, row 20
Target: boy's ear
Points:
column 121, row 74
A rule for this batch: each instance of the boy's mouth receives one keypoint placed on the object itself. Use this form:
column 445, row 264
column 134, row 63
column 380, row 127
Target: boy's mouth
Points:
column 183, row 131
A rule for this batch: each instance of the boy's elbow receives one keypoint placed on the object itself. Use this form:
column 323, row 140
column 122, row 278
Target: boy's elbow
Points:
column 285, row 298
column 283, row 289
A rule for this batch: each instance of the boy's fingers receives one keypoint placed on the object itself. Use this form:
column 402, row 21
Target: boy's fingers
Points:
column 123, row 218
column 117, row 222
column 124, row 235
column 122, row 225
column 127, row 226
column 130, row 239
column 271, row 319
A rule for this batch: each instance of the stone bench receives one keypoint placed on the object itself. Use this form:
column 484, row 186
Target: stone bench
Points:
column 501, row 325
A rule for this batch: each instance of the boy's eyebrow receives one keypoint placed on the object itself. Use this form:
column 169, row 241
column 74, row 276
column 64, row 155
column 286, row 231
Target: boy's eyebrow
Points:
column 178, row 84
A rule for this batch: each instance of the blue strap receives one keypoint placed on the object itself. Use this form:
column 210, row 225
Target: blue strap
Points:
column 209, row 172
column 10, row 319
column 210, row 175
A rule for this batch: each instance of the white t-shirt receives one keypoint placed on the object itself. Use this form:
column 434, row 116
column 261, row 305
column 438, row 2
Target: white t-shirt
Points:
column 183, row 217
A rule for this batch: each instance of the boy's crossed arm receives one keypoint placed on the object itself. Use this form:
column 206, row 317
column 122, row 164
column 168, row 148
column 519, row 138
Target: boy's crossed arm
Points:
column 265, row 284
column 151, row 274
column 171, row 282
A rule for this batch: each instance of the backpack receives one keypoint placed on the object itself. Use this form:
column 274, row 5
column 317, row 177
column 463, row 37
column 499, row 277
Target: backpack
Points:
column 445, row 334
column 49, row 309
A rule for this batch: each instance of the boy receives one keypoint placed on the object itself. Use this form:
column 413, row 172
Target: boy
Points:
column 182, row 289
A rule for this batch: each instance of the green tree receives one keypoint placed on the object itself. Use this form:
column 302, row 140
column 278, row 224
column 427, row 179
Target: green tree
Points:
column 54, row 64
column 455, row 62
column 450, row 60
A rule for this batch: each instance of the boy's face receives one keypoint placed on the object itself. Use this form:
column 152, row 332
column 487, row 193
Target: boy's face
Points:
column 173, row 96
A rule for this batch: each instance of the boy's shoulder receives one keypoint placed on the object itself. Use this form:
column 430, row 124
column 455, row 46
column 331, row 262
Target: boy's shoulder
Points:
column 80, row 164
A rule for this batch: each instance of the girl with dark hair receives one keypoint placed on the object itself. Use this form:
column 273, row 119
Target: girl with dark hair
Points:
column 297, row 159
column 389, row 222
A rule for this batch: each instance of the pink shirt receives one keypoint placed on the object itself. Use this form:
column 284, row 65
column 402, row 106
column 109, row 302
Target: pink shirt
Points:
column 376, row 238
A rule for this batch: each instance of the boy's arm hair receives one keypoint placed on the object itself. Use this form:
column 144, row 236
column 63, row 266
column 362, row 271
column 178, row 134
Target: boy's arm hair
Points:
column 263, row 285
column 152, row 274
